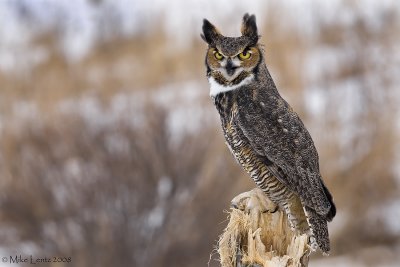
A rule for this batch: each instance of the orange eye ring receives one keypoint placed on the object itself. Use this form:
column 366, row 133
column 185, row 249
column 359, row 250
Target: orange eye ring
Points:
column 218, row 55
column 245, row 55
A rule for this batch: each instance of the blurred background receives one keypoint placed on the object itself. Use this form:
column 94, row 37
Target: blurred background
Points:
column 111, row 151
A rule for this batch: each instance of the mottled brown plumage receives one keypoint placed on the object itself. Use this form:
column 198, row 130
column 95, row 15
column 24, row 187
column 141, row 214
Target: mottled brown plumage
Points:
column 265, row 135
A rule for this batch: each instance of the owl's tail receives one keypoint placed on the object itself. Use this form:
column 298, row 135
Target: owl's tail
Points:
column 319, row 229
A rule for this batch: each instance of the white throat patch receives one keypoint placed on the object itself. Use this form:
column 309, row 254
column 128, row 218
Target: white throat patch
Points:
column 216, row 88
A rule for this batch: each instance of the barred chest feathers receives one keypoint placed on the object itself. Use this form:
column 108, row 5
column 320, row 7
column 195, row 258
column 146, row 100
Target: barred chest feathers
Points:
column 245, row 155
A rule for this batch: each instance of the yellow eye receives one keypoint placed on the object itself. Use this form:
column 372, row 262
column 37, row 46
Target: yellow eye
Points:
column 245, row 55
column 218, row 55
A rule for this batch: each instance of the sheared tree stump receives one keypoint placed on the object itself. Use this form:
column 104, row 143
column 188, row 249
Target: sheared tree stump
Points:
column 258, row 235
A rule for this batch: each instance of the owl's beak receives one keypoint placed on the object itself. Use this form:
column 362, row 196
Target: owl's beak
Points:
column 230, row 67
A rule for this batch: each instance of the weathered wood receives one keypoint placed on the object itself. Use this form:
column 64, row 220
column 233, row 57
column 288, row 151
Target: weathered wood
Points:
column 258, row 234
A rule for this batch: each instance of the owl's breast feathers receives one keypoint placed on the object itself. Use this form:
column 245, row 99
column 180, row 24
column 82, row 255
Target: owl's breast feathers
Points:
column 275, row 132
column 244, row 153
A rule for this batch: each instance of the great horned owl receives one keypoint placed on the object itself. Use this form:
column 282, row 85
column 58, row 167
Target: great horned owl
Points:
column 264, row 134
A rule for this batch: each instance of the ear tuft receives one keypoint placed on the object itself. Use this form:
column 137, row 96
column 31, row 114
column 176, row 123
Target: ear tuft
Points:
column 210, row 33
column 249, row 27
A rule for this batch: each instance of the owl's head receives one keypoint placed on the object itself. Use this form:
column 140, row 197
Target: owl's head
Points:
column 231, row 60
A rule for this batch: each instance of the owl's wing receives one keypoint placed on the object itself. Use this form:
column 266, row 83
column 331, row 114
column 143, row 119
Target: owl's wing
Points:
column 276, row 133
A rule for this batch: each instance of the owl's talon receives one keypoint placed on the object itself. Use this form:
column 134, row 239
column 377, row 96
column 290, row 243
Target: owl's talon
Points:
column 274, row 210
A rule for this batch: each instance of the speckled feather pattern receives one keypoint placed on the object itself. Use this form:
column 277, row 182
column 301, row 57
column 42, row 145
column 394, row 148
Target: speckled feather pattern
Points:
column 269, row 140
